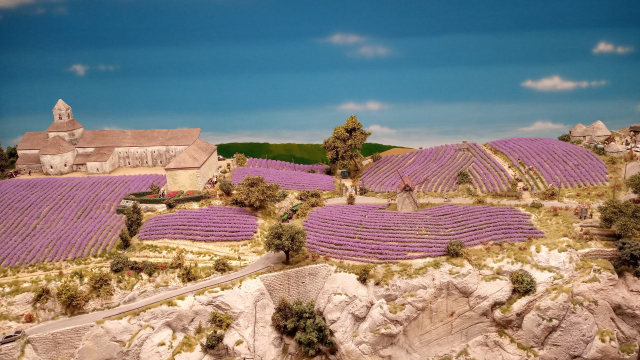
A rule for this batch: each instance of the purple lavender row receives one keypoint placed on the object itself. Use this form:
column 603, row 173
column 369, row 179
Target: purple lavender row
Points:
column 283, row 165
column 216, row 223
column 53, row 219
column 290, row 180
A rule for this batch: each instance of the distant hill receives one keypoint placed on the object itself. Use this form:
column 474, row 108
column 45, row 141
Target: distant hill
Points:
column 298, row 153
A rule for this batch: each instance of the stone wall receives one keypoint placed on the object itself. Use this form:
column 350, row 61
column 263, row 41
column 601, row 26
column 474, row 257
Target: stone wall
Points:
column 147, row 156
column 58, row 164
column 60, row 344
column 81, row 167
column 186, row 179
column 207, row 170
column 606, row 254
column 24, row 169
column 103, row 167
column 72, row 136
column 298, row 284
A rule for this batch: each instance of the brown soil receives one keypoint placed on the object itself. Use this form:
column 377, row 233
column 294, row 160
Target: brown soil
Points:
column 396, row 151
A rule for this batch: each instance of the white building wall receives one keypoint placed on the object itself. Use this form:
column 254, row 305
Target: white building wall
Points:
column 58, row 164
column 103, row 167
column 207, row 170
column 72, row 137
column 147, row 156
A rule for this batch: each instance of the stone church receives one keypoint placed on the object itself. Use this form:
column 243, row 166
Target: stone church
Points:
column 66, row 146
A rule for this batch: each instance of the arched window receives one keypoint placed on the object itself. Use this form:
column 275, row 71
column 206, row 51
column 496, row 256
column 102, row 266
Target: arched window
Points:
column 51, row 167
column 59, row 117
column 65, row 165
column 68, row 116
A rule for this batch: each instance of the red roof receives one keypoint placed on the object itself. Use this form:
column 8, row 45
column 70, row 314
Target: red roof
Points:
column 406, row 180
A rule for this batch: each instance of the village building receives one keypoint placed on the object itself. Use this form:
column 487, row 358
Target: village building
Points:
column 613, row 149
column 66, row 146
column 595, row 132
column 193, row 167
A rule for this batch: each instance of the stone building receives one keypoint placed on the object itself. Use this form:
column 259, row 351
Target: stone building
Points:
column 597, row 131
column 66, row 146
column 193, row 167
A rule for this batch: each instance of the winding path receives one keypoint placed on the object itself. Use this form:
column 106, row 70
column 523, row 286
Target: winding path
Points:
column 263, row 263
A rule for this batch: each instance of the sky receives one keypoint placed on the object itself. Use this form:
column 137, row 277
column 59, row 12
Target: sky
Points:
column 415, row 73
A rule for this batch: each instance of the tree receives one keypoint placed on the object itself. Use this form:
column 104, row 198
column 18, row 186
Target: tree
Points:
column 454, row 248
column 220, row 320
column 134, row 219
column 4, row 160
column 119, row 263
column 188, row 274
column 154, row 188
column 286, row 238
column 629, row 253
column 41, row 295
column 241, row 160
column 214, row 339
column 564, row 137
column 376, row 156
column 633, row 183
column 463, row 177
column 344, row 145
column 281, row 316
column 70, row 296
column 226, row 186
column 301, row 319
column 100, row 282
column 221, row 265
column 12, row 154
column 363, row 276
column 523, row 282
column 125, row 239
column 256, row 192
column 177, row 262
column 623, row 217
column 351, row 199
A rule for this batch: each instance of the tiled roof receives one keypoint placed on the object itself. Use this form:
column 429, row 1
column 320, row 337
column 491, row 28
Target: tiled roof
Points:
column 406, row 181
column 33, row 140
column 66, row 125
column 138, row 138
column 81, row 159
column 56, row 145
column 101, row 154
column 28, row 159
column 193, row 157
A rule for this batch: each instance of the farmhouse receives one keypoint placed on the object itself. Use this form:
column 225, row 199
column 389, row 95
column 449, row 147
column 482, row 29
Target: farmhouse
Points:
column 66, row 146
column 596, row 131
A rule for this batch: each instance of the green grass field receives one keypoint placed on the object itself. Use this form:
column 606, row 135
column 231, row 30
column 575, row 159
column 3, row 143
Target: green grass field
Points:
column 297, row 153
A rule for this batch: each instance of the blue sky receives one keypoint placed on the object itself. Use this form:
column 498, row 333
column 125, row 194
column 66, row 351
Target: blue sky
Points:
column 417, row 73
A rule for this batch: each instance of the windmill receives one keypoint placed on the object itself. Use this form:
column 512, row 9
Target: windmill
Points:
column 406, row 194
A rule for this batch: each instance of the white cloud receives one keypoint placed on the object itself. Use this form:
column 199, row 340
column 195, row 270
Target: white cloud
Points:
column 367, row 106
column 380, row 129
column 543, row 125
column 604, row 47
column 342, row 38
column 371, row 51
column 556, row 83
column 79, row 69
column 14, row 3
column 103, row 67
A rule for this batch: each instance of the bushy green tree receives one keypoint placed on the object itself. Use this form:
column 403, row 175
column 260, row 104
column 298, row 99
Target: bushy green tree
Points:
column 221, row 264
column 564, row 137
column 351, row 199
column 177, row 262
column 188, row 274
column 133, row 219
column 523, row 282
column 154, row 188
column 214, row 339
column 463, row 177
column 301, row 320
column 241, row 160
column 344, row 145
column 623, row 217
column 282, row 194
column 100, row 283
column 281, row 316
column 125, row 239
column 633, row 183
column 376, row 156
column 119, row 263
column 4, row 161
column 226, row 186
column 149, row 268
column 70, row 296
column 629, row 253
column 220, row 320
column 41, row 295
column 454, row 248
column 254, row 191
column 363, row 275
column 285, row 238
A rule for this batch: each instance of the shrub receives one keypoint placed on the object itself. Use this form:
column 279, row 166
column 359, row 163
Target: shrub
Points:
column 154, row 189
column 285, row 238
column 254, row 191
column 214, row 339
column 549, row 193
column 41, row 295
column 376, row 156
column 119, row 263
column 149, row 268
column 351, row 199
column 363, row 275
column 241, row 160
column 100, row 282
column 28, row 317
column 134, row 219
column 311, row 329
column 629, row 252
column 536, row 204
column 480, row 201
column 220, row 320
column 70, row 296
column 221, row 265
column 226, row 186
column 564, row 137
column 282, row 194
column 455, row 248
column 125, row 239
column 282, row 314
column 523, row 282
column 171, row 203
column 303, row 210
column 177, row 261
column 463, row 177
column 307, row 195
column 187, row 274
column 623, row 217
column 633, row 183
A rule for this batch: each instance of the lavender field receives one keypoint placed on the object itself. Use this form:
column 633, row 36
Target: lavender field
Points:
column 216, row 223
column 290, row 180
column 368, row 233
column 52, row 219
column 438, row 168
column 283, row 165
column 561, row 164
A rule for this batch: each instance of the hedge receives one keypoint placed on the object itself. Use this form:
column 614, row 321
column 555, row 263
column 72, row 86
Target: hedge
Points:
column 140, row 197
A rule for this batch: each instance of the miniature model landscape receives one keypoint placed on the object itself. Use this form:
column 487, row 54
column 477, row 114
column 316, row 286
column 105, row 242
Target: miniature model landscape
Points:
column 518, row 248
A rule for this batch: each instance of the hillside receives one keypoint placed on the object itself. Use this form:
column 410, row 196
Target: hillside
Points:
column 298, row 153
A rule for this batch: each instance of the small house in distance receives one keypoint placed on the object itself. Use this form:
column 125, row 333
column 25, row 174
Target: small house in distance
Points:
column 193, row 167
column 597, row 131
